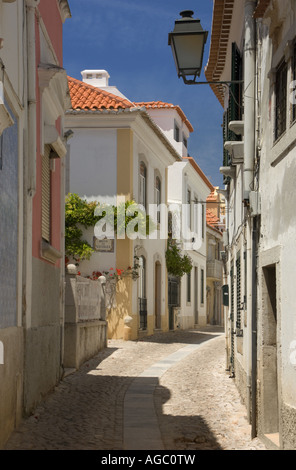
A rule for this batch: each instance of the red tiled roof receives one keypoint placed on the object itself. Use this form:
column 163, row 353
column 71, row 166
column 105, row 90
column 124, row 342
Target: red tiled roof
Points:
column 212, row 197
column 212, row 220
column 163, row 105
column 87, row 97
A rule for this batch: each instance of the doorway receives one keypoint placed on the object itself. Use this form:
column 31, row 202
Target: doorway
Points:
column 269, row 393
column 196, row 295
column 157, row 305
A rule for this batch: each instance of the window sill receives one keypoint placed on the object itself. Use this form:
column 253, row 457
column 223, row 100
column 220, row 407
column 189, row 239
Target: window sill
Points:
column 49, row 253
column 5, row 118
column 283, row 145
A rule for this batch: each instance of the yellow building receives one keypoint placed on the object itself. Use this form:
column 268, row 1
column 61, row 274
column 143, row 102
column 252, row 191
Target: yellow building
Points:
column 215, row 224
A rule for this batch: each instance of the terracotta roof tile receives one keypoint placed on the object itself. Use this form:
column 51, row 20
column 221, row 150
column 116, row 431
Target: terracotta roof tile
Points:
column 87, row 97
column 163, row 105
column 212, row 220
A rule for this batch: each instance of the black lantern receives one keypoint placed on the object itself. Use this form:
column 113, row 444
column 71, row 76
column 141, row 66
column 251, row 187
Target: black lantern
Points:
column 187, row 42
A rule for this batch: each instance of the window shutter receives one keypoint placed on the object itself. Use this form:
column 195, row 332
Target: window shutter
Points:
column 281, row 100
column 294, row 79
column 235, row 99
column 238, row 292
column 235, row 104
column 46, row 206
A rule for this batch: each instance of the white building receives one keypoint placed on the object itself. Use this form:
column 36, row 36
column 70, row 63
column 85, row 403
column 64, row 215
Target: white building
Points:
column 135, row 150
column 255, row 41
column 118, row 152
column 188, row 188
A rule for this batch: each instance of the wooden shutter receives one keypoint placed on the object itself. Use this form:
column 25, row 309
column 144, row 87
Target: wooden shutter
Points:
column 46, row 205
column 294, row 78
column 238, row 291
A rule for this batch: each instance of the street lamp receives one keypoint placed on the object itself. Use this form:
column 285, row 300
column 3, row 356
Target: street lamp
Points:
column 187, row 41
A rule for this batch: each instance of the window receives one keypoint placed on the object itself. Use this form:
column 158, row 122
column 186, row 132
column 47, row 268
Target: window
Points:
column 185, row 142
column 195, row 215
column 46, row 194
column 189, row 209
column 189, row 287
column 294, row 79
column 203, row 221
column 202, row 287
column 142, row 184
column 176, row 133
column 158, row 196
column 235, row 104
column 281, row 100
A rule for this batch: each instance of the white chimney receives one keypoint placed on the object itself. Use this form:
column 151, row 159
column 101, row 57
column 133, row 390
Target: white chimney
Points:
column 100, row 79
column 97, row 78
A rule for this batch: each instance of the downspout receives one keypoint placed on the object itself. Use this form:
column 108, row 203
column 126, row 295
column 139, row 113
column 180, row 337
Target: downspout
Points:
column 249, row 161
column 249, row 97
column 31, row 149
column 254, row 331
column 32, row 107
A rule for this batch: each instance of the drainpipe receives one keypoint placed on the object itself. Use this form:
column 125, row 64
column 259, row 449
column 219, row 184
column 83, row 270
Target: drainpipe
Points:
column 248, row 175
column 31, row 148
column 254, row 331
column 31, row 80
column 249, row 97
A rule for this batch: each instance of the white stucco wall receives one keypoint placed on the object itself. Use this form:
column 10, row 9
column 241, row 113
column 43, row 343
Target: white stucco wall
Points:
column 148, row 149
column 181, row 178
column 93, row 164
column 11, row 27
column 165, row 119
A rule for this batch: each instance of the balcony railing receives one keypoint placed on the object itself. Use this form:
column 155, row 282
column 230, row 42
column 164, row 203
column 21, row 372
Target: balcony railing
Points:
column 143, row 313
column 214, row 269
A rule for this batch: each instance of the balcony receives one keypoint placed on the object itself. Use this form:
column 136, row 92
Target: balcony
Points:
column 215, row 269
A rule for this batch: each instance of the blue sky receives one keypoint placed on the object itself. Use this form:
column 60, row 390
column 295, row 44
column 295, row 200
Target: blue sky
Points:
column 129, row 39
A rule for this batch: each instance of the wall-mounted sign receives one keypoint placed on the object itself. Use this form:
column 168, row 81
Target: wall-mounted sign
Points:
column 104, row 245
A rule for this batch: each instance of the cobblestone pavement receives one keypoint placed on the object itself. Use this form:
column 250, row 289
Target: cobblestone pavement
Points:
column 197, row 404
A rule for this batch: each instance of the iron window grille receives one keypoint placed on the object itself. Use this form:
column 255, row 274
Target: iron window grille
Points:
column 281, row 100
column 202, row 286
column 189, row 287
column 235, row 104
column 294, row 79
column 143, row 313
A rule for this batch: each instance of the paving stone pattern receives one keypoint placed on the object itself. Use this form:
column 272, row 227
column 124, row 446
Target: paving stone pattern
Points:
column 173, row 384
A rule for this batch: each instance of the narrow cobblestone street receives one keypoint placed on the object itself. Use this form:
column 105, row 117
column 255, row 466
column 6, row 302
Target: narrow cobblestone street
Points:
column 195, row 403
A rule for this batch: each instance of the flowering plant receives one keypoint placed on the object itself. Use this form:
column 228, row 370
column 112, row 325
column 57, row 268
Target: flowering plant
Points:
column 116, row 274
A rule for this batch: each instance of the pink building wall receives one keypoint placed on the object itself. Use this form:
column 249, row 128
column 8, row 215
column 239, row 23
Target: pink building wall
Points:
column 51, row 17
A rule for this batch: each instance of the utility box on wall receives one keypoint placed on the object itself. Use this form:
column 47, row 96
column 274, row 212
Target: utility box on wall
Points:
column 225, row 294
